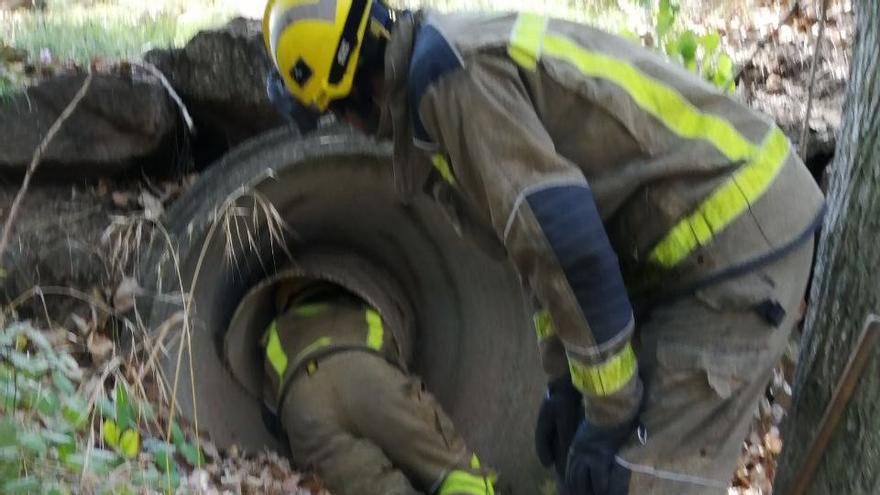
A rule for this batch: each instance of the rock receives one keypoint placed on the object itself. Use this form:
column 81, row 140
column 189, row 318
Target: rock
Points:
column 125, row 123
column 56, row 242
column 221, row 76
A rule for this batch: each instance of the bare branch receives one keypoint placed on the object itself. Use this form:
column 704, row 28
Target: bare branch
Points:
column 805, row 136
column 187, row 118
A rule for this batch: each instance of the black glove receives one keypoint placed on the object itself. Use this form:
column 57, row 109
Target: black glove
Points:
column 591, row 468
column 561, row 412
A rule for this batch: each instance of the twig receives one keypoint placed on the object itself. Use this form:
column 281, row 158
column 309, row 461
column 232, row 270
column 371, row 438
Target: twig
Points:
column 35, row 161
column 835, row 408
column 795, row 6
column 805, row 137
column 38, row 291
column 187, row 118
column 162, row 332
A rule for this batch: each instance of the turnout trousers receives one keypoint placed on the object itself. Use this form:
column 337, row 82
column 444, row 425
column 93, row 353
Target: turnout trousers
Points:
column 706, row 360
column 368, row 428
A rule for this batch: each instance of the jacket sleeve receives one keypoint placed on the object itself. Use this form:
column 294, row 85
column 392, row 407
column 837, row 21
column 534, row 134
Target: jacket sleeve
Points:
column 542, row 208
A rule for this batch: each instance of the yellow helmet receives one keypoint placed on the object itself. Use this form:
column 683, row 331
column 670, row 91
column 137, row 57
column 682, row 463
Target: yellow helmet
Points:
column 315, row 44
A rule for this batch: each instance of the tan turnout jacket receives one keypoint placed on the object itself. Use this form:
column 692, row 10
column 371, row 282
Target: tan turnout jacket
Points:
column 311, row 328
column 606, row 172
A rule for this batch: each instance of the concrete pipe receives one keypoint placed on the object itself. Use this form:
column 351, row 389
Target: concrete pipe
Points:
column 473, row 344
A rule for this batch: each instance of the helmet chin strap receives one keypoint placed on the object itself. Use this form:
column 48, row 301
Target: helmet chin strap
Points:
column 362, row 100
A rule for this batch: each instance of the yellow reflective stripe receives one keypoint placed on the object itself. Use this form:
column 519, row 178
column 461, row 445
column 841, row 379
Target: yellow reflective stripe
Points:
column 492, row 477
column 464, row 483
column 724, row 204
column 525, row 40
column 314, row 346
column 606, row 378
column 666, row 104
column 442, row 166
column 312, row 367
column 274, row 353
column 543, row 325
column 680, row 116
column 375, row 331
column 308, row 310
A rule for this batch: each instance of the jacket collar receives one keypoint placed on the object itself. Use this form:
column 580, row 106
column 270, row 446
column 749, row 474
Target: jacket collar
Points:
column 410, row 167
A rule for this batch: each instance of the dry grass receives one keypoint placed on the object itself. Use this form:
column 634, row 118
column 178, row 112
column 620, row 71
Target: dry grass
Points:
column 244, row 226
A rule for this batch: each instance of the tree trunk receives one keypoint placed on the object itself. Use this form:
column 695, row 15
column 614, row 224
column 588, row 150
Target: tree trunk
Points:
column 846, row 290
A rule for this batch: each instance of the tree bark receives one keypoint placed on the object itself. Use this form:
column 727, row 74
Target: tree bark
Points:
column 846, row 289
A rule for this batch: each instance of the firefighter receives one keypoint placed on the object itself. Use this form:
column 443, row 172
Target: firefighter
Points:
column 336, row 383
column 663, row 228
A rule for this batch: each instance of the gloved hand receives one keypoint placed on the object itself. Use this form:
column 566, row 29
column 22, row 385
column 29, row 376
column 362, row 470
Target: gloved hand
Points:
column 561, row 412
column 591, row 468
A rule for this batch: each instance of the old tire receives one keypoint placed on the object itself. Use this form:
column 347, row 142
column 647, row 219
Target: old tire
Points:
column 473, row 348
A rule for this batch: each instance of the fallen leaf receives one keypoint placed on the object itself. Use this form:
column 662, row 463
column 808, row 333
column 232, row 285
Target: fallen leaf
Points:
column 773, row 441
column 121, row 199
column 100, row 347
column 85, row 327
column 777, row 414
column 99, row 318
column 198, row 481
column 210, row 450
column 153, row 208
column 290, row 485
column 124, row 296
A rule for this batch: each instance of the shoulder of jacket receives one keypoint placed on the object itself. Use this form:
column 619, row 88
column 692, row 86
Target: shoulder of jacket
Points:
column 433, row 57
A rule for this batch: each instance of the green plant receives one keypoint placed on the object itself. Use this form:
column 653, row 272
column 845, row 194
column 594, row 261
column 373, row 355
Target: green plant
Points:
column 45, row 418
column 699, row 54
column 47, row 431
column 121, row 432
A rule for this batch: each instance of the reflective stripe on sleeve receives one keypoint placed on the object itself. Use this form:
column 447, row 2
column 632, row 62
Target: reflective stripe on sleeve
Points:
column 525, row 40
column 274, row 353
column 605, row 378
column 464, row 483
column 375, row 330
column 663, row 102
column 725, row 203
column 442, row 165
column 762, row 162
column 543, row 325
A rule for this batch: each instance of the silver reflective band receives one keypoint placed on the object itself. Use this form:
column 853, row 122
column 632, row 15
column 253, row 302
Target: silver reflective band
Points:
column 323, row 10
column 671, row 476
column 642, row 433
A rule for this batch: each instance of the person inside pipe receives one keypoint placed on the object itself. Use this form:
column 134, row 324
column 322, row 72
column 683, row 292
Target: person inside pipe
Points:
column 664, row 229
column 336, row 386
